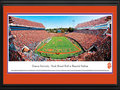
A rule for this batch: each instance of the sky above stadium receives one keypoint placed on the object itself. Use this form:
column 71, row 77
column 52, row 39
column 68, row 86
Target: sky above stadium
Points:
column 60, row 21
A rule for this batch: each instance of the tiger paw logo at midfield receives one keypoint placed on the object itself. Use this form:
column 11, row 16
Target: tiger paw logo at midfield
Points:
column 109, row 65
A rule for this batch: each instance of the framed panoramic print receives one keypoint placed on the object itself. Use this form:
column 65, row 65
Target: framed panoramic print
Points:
column 60, row 44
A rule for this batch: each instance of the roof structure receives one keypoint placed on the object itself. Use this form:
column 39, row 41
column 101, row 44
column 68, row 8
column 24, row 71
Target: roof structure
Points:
column 95, row 22
column 22, row 22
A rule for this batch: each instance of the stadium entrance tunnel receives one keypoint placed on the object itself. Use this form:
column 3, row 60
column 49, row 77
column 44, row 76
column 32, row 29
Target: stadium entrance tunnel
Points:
column 59, row 48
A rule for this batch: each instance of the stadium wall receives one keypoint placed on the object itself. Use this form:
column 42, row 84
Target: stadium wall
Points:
column 25, row 28
column 100, row 26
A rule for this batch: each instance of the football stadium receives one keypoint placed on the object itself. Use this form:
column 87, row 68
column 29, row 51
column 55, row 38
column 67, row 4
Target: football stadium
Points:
column 30, row 41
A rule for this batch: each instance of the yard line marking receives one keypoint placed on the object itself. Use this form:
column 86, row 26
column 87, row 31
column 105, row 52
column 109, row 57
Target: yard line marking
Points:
column 76, row 47
column 59, row 52
column 41, row 46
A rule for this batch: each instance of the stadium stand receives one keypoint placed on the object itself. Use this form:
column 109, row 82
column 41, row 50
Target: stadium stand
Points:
column 103, row 53
column 29, row 38
column 19, row 38
column 22, row 24
column 86, row 39
column 95, row 41
column 101, row 23
column 14, row 55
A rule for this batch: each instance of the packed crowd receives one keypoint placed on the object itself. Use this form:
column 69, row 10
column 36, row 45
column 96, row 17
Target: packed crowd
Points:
column 14, row 54
column 29, row 38
column 99, row 32
column 103, row 53
column 90, row 38
column 86, row 40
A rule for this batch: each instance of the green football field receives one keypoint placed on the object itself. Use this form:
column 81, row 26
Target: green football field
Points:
column 58, row 48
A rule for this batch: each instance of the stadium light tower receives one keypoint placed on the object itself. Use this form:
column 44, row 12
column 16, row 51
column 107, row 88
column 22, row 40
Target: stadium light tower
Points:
column 73, row 23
